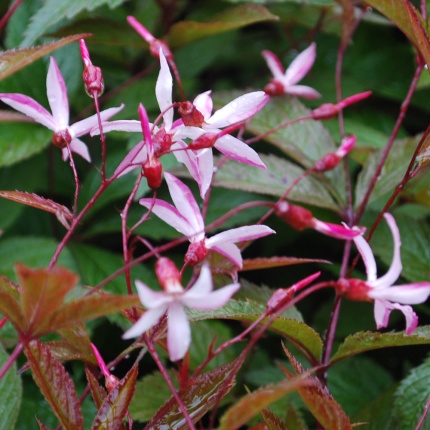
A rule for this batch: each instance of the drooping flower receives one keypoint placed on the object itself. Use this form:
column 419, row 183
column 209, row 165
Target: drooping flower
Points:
column 332, row 159
column 300, row 218
column 187, row 219
column 380, row 290
column 64, row 134
column 285, row 82
column 173, row 300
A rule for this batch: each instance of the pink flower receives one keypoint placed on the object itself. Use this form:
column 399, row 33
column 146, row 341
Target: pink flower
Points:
column 380, row 290
column 187, row 219
column 300, row 218
column 285, row 82
column 173, row 300
column 64, row 134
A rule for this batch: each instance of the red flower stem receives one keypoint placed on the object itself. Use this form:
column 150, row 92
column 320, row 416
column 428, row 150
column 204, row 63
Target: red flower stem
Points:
column 102, row 135
column 169, row 382
column 77, row 220
column 387, row 149
column 76, row 178
column 3, row 321
column 279, row 127
column 423, row 416
column 12, row 357
column 6, row 17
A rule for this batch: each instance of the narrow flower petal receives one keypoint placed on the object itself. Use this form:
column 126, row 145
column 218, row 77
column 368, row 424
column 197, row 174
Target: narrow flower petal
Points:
column 335, row 230
column 214, row 300
column 29, row 107
column 302, row 91
column 273, row 64
column 178, row 332
column 127, row 125
column 239, row 109
column 57, row 95
column 135, row 158
column 145, row 322
column 396, row 264
column 79, row 147
column 367, row 256
column 381, row 313
column 384, row 310
column 170, row 215
column 163, row 91
column 240, row 234
column 409, row 294
column 203, row 286
column 150, row 298
column 86, row 125
column 186, row 204
column 301, row 65
column 238, row 151
column 230, row 251
column 204, row 104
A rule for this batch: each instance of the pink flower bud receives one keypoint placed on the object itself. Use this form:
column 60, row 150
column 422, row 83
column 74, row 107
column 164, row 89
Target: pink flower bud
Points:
column 153, row 169
column 328, row 162
column 297, row 217
column 206, row 140
column 196, row 253
column 61, row 138
column 111, row 381
column 191, row 116
column 354, row 289
column 274, row 88
column 168, row 275
column 92, row 75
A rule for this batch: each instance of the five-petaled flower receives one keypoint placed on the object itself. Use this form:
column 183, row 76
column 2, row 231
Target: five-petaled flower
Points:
column 380, row 290
column 285, row 82
column 65, row 135
column 172, row 300
column 187, row 219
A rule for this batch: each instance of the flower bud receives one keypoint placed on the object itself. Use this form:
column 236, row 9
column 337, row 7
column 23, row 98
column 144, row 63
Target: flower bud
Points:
column 61, row 138
column 297, row 217
column 196, row 253
column 93, row 80
column 206, row 140
column 274, row 88
column 354, row 289
column 328, row 162
column 190, row 114
column 168, row 275
column 152, row 170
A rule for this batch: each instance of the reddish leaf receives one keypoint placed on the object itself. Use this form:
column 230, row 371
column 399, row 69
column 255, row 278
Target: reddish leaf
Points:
column 347, row 19
column 83, row 309
column 97, row 391
column 114, row 407
column 16, row 59
column 41, row 425
column 267, row 263
column 253, row 403
column 272, row 421
column 61, row 212
column 10, row 116
column 42, row 293
column 319, row 401
column 201, row 395
column 55, row 384
column 9, row 303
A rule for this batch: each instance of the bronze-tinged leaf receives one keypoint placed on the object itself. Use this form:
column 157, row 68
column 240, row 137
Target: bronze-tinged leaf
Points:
column 14, row 60
column 41, row 425
column 97, row 391
column 10, row 116
column 85, row 308
column 319, row 401
column 42, row 293
column 61, row 212
column 202, row 395
column 267, row 263
column 347, row 19
column 55, row 384
column 253, row 403
column 114, row 407
column 9, row 303
column 272, row 421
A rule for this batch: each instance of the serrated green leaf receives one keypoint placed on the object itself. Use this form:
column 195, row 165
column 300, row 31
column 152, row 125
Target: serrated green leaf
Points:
column 19, row 141
column 54, row 11
column 274, row 181
column 10, row 393
column 55, row 384
column 369, row 341
column 13, row 60
column 230, row 19
column 297, row 332
column 411, row 397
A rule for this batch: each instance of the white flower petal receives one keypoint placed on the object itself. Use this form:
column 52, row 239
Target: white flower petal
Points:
column 301, row 65
column 145, row 322
column 163, row 91
column 152, row 299
column 230, row 251
column 89, row 124
column 214, row 300
column 57, row 95
column 203, row 103
column 367, row 256
column 178, row 332
column 409, row 294
column 273, row 64
column 240, row 234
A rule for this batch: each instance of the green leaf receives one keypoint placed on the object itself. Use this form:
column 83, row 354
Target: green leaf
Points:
column 202, row 394
column 369, row 341
column 251, row 404
column 274, row 181
column 16, row 59
column 297, row 332
column 10, row 394
column 55, row 384
column 54, row 11
column 115, row 405
column 411, row 397
column 230, row 19
column 19, row 141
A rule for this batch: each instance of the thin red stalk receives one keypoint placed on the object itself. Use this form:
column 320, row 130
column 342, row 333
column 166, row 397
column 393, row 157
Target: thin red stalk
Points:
column 6, row 17
column 423, row 416
column 387, row 149
column 3, row 321
column 169, row 382
column 76, row 178
column 12, row 357
column 102, row 135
